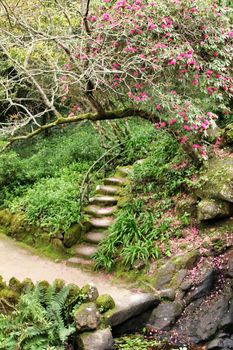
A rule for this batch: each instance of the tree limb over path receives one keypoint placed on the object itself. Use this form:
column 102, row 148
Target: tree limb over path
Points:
column 108, row 115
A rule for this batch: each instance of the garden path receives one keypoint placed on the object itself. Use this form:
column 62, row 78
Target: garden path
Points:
column 17, row 261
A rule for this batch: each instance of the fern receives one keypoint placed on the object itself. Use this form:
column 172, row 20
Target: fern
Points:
column 39, row 321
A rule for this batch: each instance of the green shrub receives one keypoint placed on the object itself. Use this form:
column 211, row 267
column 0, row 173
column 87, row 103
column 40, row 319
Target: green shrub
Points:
column 159, row 172
column 53, row 203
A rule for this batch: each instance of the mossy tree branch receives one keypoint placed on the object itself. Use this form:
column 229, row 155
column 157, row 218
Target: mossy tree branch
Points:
column 108, row 115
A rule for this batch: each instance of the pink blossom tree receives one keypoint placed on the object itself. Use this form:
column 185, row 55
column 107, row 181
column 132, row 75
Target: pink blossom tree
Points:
column 169, row 62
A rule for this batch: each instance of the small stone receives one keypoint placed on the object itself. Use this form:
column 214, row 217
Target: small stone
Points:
column 99, row 340
column 138, row 265
column 73, row 235
column 58, row 245
column 186, row 285
column 168, row 294
column 90, row 292
column 15, row 285
column 27, row 284
column 87, row 317
column 59, row 284
column 105, row 302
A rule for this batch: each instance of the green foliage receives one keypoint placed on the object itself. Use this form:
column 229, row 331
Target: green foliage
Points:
column 142, row 230
column 134, row 140
column 53, row 203
column 134, row 236
column 161, row 170
column 136, row 342
column 43, row 177
column 40, row 319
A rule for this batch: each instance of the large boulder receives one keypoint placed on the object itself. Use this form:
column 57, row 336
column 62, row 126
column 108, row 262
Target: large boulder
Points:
column 87, row 317
column 212, row 208
column 204, row 284
column 217, row 182
column 172, row 273
column 165, row 315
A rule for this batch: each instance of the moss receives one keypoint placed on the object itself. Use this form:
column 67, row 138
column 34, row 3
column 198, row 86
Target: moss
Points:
column 216, row 182
column 59, row 284
column 44, row 285
column 2, row 283
column 186, row 261
column 122, row 201
column 8, row 299
column 73, row 235
column 15, row 285
column 105, row 302
column 27, row 284
column 5, row 217
column 227, row 135
column 58, row 246
column 90, row 292
column 74, row 292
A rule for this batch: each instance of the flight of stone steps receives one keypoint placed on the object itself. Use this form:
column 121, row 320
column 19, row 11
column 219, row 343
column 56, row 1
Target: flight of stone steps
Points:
column 101, row 211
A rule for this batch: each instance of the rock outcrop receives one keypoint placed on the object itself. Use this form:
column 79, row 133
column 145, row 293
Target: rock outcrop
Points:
column 215, row 189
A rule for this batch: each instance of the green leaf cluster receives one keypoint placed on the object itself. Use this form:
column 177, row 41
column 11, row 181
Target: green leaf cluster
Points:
column 40, row 319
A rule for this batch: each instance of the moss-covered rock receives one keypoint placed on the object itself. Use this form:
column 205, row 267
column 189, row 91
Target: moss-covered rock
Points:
column 105, row 302
column 87, row 317
column 59, row 284
column 5, row 217
column 58, row 245
column 172, row 273
column 187, row 205
column 26, row 285
column 2, row 283
column 217, row 182
column 44, row 285
column 211, row 208
column 73, row 235
column 90, row 292
column 17, row 226
column 8, row 299
column 99, row 340
column 15, row 285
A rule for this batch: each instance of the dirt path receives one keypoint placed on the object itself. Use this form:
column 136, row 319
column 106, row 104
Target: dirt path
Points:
column 18, row 262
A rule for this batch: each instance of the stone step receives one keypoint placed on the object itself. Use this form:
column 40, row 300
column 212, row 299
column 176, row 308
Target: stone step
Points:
column 124, row 171
column 85, row 250
column 98, row 211
column 104, row 201
column 79, row 262
column 95, row 236
column 107, row 189
column 102, row 222
column 118, row 181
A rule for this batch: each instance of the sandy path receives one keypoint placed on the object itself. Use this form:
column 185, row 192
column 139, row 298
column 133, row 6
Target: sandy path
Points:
column 18, row 262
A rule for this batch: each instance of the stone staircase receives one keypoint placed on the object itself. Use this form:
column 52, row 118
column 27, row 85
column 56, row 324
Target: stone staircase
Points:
column 101, row 211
